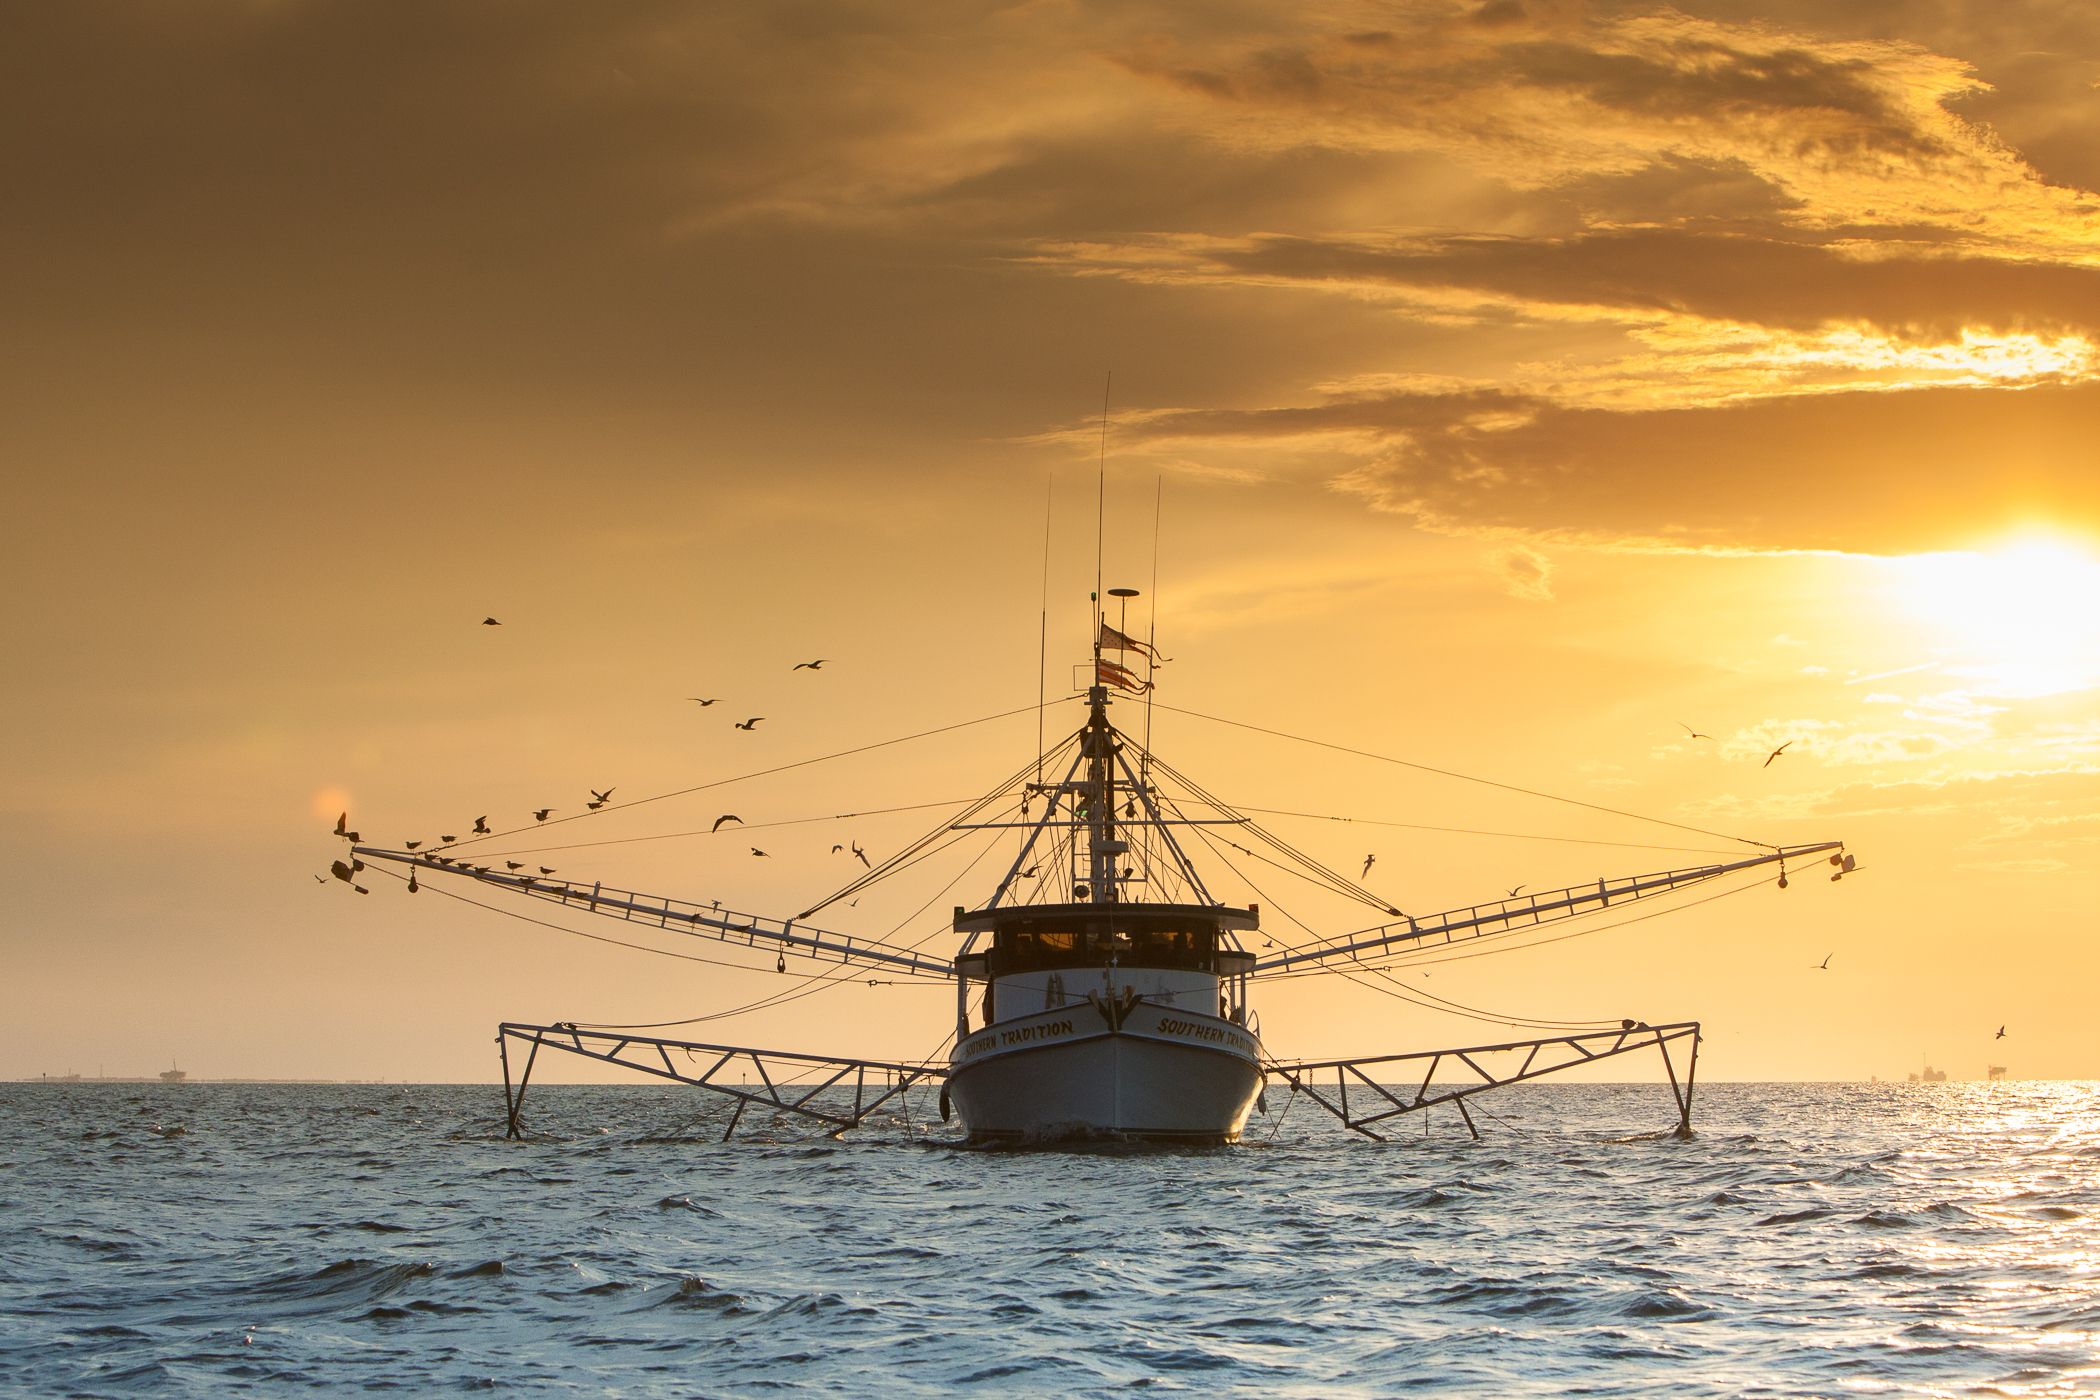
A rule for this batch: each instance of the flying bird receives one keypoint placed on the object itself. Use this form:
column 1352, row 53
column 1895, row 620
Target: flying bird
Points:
column 863, row 856
column 413, row 844
column 1693, row 732
column 809, row 665
column 320, row 879
column 757, row 852
column 541, row 814
column 1029, row 873
column 836, row 849
column 481, row 826
column 490, row 622
column 730, row 817
column 749, row 722
column 1775, row 753
column 1824, row 966
column 342, row 825
column 703, row 704
column 1369, row 861
column 2000, row 1035
column 1513, row 893
column 605, row 796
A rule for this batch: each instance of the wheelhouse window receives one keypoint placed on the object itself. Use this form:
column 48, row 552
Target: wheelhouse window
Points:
column 1028, row 945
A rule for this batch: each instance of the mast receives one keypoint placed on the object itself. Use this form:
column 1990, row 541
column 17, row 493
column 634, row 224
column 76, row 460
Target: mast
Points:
column 1098, row 745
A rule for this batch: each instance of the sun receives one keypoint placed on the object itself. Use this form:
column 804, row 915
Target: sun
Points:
column 2023, row 619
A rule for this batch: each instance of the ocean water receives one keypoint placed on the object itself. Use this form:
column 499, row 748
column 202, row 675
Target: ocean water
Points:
column 1813, row 1240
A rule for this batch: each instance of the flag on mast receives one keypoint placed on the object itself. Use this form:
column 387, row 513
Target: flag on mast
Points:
column 1112, row 640
column 1107, row 672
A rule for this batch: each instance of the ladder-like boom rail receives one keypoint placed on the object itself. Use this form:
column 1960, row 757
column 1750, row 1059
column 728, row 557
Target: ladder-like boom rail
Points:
column 700, row 920
column 1508, row 915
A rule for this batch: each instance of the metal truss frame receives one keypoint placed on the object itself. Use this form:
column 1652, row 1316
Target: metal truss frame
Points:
column 1561, row 1051
column 773, row 1091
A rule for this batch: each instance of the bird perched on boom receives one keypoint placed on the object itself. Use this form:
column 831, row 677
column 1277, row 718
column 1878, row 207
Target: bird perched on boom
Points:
column 541, row 814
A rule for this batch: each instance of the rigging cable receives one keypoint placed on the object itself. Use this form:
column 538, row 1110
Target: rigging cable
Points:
column 1467, row 777
column 753, row 826
column 1469, row 831
column 1399, row 990
column 761, row 773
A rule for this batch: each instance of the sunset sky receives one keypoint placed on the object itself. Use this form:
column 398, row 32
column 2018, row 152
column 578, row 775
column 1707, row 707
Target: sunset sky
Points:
column 1518, row 383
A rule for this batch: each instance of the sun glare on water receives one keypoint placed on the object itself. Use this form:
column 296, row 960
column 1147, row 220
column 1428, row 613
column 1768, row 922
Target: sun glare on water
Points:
column 2024, row 620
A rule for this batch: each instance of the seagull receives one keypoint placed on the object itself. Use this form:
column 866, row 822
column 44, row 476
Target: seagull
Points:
column 605, row 796
column 352, row 837
column 490, row 622
column 1029, row 873
column 1824, row 966
column 546, row 870
column 1369, row 861
column 863, row 856
column 836, row 849
column 809, row 665
column 1693, row 732
column 413, row 844
column 1775, row 753
column 1999, row 1036
column 342, row 825
column 703, row 704
column 481, row 826
column 726, row 817
column 1513, row 893
column 750, row 722
column 541, row 814
column 757, row 852
column 515, row 864
column 448, row 838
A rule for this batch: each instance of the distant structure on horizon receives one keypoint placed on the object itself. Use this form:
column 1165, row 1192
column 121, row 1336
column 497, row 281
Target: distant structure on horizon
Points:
column 1994, row 1071
column 1930, row 1076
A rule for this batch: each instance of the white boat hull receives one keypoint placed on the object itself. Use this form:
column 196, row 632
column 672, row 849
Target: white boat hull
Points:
column 1085, row 1070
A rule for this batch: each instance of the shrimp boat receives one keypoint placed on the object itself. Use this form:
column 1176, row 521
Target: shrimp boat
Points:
column 1111, row 989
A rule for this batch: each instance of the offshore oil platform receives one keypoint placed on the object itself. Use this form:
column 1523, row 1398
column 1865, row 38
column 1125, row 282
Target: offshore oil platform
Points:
column 1112, row 992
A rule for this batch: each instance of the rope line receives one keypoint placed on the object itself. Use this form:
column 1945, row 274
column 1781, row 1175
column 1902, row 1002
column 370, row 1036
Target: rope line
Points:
column 761, row 773
column 1467, row 777
column 1469, row 831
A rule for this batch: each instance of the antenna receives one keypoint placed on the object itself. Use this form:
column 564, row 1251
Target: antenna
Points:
column 1159, row 489
column 1101, row 515
column 1042, row 646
